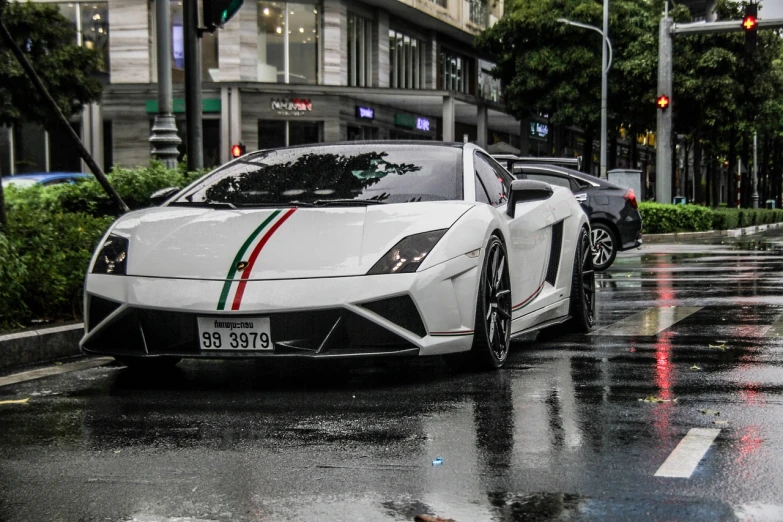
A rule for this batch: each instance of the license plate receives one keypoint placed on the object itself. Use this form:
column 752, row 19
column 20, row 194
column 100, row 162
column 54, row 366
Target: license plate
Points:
column 243, row 334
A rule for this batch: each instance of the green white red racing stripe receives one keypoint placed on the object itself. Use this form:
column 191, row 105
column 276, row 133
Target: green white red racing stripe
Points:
column 270, row 224
column 529, row 300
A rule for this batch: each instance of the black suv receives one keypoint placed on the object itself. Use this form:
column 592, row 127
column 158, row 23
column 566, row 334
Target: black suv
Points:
column 612, row 209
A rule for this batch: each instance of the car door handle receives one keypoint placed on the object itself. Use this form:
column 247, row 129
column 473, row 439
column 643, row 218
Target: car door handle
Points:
column 581, row 197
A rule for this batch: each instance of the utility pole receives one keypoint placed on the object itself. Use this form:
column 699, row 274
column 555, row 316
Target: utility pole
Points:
column 754, row 198
column 663, row 138
column 195, row 139
column 604, row 89
column 164, row 137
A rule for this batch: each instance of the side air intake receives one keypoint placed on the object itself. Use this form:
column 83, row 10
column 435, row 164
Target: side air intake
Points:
column 554, row 253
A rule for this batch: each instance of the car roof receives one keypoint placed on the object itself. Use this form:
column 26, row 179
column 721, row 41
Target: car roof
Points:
column 578, row 175
column 46, row 176
column 414, row 143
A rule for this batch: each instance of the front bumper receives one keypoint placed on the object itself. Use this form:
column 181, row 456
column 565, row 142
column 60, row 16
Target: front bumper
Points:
column 425, row 313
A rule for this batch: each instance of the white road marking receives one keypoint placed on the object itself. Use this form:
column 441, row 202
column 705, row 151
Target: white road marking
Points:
column 650, row 321
column 54, row 370
column 686, row 456
column 776, row 330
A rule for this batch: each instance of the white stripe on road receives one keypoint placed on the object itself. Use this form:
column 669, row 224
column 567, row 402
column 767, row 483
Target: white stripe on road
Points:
column 776, row 330
column 686, row 456
column 54, row 370
column 651, row 321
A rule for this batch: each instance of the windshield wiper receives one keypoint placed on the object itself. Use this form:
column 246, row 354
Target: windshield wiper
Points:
column 347, row 202
column 202, row 204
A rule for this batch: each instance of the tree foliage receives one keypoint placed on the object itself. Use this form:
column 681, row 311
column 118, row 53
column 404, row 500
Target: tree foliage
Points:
column 48, row 40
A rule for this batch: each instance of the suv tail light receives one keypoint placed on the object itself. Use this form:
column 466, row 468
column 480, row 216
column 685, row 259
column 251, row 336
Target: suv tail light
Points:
column 630, row 197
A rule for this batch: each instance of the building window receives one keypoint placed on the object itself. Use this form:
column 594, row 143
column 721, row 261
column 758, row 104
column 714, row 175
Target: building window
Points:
column 479, row 12
column 489, row 87
column 91, row 21
column 456, row 72
column 36, row 150
column 406, row 61
column 288, row 42
column 359, row 51
column 442, row 3
column 209, row 49
column 283, row 133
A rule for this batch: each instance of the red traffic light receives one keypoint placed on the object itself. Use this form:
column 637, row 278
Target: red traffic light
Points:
column 749, row 23
column 662, row 101
column 237, row 150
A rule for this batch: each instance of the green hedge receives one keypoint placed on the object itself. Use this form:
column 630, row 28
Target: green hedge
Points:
column 660, row 219
column 52, row 233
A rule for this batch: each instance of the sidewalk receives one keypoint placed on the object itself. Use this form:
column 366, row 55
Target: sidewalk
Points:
column 680, row 236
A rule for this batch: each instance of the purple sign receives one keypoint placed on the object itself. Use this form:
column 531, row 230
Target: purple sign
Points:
column 423, row 124
column 365, row 112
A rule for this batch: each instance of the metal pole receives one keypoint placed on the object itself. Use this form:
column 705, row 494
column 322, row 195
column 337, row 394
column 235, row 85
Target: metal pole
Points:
column 663, row 138
column 164, row 137
column 754, row 198
column 193, row 85
column 604, row 89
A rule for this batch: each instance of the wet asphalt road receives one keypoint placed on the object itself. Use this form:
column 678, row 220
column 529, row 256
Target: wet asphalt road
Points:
column 560, row 434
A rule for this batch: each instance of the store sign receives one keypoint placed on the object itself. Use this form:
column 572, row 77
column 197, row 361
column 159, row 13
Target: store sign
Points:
column 412, row 122
column 293, row 106
column 365, row 113
column 539, row 130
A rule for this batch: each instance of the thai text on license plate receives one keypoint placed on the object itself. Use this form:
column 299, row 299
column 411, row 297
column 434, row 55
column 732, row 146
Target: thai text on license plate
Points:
column 245, row 333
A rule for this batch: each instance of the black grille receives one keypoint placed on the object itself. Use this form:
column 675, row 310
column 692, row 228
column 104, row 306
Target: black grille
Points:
column 554, row 254
column 401, row 311
column 332, row 331
column 100, row 309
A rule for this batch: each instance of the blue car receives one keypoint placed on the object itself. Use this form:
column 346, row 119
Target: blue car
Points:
column 46, row 179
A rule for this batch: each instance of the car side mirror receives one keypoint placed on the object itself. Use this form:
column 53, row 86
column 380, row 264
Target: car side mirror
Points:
column 160, row 196
column 524, row 190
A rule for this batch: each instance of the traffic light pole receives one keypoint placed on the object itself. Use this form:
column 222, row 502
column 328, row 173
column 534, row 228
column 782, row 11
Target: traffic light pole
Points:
column 195, row 141
column 663, row 137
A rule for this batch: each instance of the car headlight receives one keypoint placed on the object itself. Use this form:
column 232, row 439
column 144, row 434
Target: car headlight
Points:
column 407, row 255
column 112, row 256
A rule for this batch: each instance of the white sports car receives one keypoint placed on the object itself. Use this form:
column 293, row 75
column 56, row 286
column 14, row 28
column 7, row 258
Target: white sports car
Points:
column 339, row 250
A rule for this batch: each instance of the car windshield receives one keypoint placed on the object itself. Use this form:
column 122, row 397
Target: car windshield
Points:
column 339, row 175
column 19, row 183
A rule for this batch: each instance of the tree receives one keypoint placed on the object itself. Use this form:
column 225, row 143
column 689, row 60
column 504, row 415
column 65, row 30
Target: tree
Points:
column 68, row 71
column 547, row 67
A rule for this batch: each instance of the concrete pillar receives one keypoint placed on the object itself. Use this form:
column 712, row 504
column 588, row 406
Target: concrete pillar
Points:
column 663, row 138
column 448, row 118
column 482, row 125
column 238, row 46
column 334, row 38
column 129, row 45
column 381, row 51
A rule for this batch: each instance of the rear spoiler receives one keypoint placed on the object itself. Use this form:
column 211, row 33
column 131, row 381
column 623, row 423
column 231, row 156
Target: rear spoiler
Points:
column 509, row 160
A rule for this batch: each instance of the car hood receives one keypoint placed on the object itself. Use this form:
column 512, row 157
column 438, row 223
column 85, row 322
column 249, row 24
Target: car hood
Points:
column 285, row 243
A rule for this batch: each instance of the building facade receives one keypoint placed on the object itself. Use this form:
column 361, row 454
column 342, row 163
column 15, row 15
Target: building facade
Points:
column 284, row 73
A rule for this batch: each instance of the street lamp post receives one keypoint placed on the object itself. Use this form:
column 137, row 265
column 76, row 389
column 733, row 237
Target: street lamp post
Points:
column 606, row 61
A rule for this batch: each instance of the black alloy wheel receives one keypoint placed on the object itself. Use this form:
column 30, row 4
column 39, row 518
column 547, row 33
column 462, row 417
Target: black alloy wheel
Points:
column 604, row 246
column 582, row 303
column 492, row 335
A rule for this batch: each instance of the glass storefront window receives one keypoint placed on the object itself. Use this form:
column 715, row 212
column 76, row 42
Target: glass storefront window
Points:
column 282, row 133
column 288, row 42
column 359, row 51
column 91, row 21
column 456, row 72
column 406, row 61
column 209, row 49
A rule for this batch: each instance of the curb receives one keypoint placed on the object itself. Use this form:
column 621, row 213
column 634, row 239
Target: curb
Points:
column 41, row 345
column 735, row 232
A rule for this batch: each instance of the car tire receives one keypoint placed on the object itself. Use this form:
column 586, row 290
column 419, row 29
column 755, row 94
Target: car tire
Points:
column 582, row 301
column 149, row 364
column 492, row 331
column 605, row 246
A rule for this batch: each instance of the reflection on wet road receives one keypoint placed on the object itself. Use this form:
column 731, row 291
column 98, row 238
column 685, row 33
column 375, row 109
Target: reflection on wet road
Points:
column 575, row 428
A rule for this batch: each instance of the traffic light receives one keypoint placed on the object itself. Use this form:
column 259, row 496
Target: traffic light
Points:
column 237, row 150
column 750, row 25
column 217, row 12
column 662, row 101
